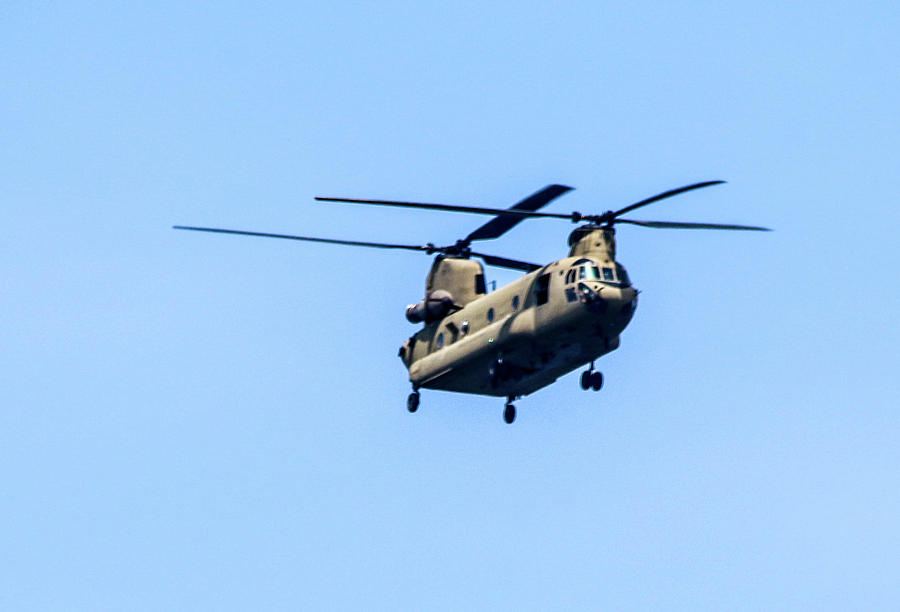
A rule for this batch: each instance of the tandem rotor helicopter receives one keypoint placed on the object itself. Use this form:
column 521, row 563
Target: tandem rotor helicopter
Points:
column 522, row 337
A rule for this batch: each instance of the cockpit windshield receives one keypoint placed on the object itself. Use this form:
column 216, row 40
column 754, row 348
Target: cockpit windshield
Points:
column 587, row 272
column 585, row 269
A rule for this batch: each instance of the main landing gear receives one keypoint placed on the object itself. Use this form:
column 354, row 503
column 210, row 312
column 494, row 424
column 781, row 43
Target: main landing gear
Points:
column 509, row 412
column 591, row 379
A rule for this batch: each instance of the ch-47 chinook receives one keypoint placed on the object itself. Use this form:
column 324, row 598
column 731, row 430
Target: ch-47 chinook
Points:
column 521, row 337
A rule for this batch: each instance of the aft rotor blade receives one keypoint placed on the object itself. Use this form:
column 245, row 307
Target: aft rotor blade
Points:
column 478, row 210
column 377, row 245
column 504, row 262
column 503, row 223
column 666, row 194
column 680, row 225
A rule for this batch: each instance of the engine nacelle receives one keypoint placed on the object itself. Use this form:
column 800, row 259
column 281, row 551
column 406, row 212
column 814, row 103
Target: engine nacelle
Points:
column 437, row 305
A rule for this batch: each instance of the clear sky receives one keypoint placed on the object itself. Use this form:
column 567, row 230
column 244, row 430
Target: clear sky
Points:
column 205, row 422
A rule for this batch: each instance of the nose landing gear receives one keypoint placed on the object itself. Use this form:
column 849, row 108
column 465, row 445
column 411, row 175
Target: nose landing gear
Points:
column 591, row 379
column 509, row 411
column 412, row 402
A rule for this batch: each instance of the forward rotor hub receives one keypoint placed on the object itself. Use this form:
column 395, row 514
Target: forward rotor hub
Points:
column 460, row 249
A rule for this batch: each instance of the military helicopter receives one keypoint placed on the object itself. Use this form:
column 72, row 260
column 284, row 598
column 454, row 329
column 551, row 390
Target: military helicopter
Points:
column 522, row 337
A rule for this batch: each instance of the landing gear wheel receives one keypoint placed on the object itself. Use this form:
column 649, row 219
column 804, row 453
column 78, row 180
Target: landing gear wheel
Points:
column 596, row 381
column 412, row 402
column 586, row 380
column 509, row 413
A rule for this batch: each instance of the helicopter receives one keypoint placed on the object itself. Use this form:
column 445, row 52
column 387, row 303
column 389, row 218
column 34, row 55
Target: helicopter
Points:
column 522, row 337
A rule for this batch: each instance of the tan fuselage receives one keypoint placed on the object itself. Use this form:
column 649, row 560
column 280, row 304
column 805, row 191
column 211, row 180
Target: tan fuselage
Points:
column 524, row 336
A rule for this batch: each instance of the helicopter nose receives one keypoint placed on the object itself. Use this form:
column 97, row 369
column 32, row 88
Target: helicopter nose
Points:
column 608, row 301
column 591, row 298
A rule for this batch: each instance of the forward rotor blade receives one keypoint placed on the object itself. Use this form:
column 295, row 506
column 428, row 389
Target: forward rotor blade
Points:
column 680, row 225
column 478, row 210
column 504, row 262
column 503, row 223
column 666, row 194
column 377, row 245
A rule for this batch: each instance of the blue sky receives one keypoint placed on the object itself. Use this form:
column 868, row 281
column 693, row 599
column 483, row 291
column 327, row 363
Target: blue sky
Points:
column 211, row 422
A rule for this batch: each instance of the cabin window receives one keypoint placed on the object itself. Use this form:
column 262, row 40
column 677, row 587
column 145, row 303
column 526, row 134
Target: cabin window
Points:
column 479, row 284
column 490, row 315
column 515, row 302
column 440, row 340
column 608, row 274
column 543, row 289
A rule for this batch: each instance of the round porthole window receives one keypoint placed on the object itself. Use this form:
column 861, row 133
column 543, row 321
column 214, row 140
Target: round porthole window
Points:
column 490, row 315
column 515, row 302
column 440, row 340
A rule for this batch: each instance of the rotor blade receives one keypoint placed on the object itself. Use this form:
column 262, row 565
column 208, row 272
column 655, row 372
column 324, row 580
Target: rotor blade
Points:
column 680, row 225
column 492, row 260
column 377, row 245
column 666, row 194
column 504, row 262
column 503, row 223
column 478, row 210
